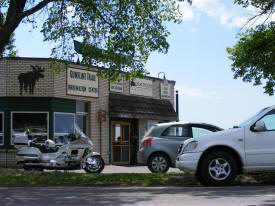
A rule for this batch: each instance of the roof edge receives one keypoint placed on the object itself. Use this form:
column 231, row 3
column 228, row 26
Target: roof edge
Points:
column 72, row 63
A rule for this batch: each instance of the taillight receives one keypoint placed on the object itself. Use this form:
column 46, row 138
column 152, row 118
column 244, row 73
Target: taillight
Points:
column 147, row 142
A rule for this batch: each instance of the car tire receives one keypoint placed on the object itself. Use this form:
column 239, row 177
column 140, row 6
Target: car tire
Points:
column 158, row 163
column 218, row 168
column 198, row 177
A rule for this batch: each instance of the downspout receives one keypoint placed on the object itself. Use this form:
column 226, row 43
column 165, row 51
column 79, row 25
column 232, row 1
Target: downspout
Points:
column 177, row 103
column 100, row 138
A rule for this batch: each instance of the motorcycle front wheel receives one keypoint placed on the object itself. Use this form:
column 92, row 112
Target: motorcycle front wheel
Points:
column 94, row 164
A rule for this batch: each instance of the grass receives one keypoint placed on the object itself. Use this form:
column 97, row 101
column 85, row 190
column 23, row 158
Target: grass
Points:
column 15, row 177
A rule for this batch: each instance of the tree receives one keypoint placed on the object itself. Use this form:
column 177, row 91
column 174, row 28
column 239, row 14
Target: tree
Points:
column 253, row 55
column 126, row 30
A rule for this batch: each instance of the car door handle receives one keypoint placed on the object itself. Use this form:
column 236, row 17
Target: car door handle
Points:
column 240, row 140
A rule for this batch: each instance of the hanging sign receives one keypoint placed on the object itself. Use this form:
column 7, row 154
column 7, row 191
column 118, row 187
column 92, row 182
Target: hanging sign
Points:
column 142, row 87
column 165, row 92
column 82, row 82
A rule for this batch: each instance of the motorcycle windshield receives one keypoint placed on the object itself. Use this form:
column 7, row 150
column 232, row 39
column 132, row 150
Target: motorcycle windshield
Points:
column 80, row 135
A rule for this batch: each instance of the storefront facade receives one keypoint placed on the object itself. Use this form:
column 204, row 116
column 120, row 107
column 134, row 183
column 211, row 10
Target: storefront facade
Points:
column 115, row 115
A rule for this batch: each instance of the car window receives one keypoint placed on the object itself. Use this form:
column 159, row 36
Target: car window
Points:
column 176, row 131
column 269, row 120
column 198, row 131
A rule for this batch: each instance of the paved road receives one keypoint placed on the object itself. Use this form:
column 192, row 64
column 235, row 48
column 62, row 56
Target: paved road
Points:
column 138, row 196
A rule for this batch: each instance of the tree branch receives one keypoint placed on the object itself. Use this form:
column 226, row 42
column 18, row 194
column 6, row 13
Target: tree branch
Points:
column 102, row 17
column 269, row 8
column 35, row 8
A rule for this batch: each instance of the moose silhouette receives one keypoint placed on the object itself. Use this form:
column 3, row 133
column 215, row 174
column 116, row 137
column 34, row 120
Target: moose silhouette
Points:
column 30, row 78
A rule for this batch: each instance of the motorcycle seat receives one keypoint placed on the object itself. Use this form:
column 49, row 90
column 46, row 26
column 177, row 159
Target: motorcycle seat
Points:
column 42, row 147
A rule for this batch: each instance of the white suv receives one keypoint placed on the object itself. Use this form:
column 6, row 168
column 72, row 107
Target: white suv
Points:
column 217, row 158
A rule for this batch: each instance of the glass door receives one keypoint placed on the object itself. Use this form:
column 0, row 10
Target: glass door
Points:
column 121, row 143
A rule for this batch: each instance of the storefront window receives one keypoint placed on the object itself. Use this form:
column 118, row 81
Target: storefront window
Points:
column 1, row 128
column 82, row 116
column 63, row 124
column 34, row 123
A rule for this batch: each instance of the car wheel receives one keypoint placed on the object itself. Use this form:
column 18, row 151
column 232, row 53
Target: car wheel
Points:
column 158, row 163
column 198, row 177
column 218, row 168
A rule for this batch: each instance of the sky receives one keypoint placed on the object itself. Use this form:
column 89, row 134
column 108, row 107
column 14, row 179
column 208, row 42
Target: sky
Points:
column 197, row 60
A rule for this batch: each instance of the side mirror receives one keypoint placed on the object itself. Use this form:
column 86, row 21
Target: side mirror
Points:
column 259, row 126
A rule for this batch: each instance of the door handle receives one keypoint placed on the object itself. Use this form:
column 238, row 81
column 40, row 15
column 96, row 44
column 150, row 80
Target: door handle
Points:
column 240, row 140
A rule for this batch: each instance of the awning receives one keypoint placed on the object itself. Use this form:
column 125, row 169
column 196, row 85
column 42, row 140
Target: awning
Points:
column 125, row 106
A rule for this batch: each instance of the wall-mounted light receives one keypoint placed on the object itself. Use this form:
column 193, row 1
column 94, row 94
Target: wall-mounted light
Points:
column 165, row 81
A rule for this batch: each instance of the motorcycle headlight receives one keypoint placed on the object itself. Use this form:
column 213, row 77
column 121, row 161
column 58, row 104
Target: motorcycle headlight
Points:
column 190, row 147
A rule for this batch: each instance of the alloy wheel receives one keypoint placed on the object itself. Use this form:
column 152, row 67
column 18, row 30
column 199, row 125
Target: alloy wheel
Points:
column 219, row 169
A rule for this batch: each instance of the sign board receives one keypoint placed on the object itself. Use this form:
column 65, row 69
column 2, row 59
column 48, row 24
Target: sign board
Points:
column 82, row 83
column 165, row 92
column 142, row 87
column 116, row 86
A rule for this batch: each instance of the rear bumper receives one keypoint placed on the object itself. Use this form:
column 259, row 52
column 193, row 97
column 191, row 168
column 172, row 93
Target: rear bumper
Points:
column 188, row 162
column 142, row 156
column 26, row 158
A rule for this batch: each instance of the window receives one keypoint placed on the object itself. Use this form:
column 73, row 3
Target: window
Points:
column 269, row 120
column 198, row 131
column 35, row 123
column 63, row 124
column 1, row 128
column 177, row 131
column 82, row 116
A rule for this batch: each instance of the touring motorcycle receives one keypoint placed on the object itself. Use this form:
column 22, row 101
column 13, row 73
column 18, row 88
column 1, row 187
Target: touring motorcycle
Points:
column 68, row 152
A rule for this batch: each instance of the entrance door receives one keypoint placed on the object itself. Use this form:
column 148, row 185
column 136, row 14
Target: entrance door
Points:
column 121, row 142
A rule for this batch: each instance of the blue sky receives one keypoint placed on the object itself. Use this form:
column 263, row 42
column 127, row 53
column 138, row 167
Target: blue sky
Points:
column 197, row 61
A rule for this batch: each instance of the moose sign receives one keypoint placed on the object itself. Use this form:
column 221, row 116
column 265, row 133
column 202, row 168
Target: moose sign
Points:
column 28, row 79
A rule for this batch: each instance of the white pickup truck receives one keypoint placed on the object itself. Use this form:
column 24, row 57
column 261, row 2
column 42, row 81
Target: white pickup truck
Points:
column 217, row 158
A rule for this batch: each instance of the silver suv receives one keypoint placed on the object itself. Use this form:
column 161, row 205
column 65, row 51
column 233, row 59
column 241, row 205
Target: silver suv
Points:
column 159, row 147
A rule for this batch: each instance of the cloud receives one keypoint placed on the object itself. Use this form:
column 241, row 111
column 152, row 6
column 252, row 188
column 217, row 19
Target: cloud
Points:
column 197, row 93
column 225, row 12
column 187, row 12
column 193, row 29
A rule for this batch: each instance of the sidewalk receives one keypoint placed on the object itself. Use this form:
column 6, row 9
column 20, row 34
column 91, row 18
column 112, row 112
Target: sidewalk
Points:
column 108, row 169
column 131, row 169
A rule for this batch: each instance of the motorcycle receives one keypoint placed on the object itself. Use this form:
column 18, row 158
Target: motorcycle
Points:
column 68, row 152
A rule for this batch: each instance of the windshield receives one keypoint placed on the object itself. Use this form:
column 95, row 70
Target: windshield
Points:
column 249, row 119
column 78, row 135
